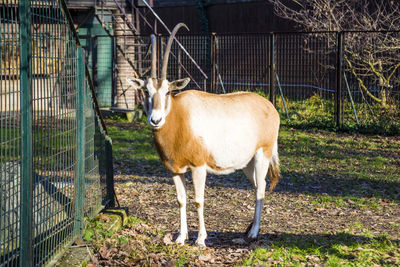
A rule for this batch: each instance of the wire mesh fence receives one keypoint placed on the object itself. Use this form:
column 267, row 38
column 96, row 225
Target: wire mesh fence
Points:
column 305, row 73
column 54, row 146
column 10, row 154
column 323, row 79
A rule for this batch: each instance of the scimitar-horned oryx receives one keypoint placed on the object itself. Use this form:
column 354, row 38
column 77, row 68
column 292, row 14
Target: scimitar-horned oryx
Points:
column 209, row 133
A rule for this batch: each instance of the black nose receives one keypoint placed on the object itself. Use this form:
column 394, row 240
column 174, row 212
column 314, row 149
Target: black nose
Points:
column 155, row 122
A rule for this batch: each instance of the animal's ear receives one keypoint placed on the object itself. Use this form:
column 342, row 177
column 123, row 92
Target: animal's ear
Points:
column 178, row 84
column 135, row 83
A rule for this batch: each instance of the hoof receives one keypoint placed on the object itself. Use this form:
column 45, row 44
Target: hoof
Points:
column 251, row 232
column 252, row 236
column 201, row 244
column 180, row 240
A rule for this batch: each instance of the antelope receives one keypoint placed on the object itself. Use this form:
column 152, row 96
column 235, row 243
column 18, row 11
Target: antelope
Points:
column 209, row 133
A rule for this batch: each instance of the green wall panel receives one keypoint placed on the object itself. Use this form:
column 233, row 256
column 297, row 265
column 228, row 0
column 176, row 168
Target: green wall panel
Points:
column 99, row 55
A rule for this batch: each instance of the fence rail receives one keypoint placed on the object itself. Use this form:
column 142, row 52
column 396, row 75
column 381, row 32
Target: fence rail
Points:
column 53, row 143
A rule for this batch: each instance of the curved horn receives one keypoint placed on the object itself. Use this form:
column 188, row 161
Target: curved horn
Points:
column 153, row 57
column 168, row 49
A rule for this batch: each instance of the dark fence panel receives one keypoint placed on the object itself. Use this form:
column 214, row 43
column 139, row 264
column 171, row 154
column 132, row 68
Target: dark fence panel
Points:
column 241, row 63
column 180, row 65
column 54, row 129
column 306, row 75
column 305, row 65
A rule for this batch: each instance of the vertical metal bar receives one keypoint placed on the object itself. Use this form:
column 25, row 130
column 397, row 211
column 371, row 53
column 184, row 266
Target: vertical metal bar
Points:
column 109, row 171
column 137, row 19
column 283, row 98
column 351, row 99
column 26, row 242
column 265, row 73
column 338, row 93
column 271, row 67
column 213, row 39
column 179, row 63
column 115, row 72
column 80, row 157
column 160, row 48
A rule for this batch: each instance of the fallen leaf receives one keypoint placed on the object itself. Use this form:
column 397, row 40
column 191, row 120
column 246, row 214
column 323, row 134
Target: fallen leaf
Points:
column 206, row 257
column 168, row 239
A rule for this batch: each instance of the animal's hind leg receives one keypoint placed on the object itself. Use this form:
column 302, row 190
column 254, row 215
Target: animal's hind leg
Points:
column 260, row 171
column 249, row 172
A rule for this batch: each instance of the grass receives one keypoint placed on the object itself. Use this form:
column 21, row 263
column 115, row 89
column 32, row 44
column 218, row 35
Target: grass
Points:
column 134, row 148
column 335, row 169
column 316, row 112
column 48, row 145
column 342, row 249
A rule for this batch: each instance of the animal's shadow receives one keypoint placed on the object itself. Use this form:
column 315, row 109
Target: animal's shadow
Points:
column 294, row 182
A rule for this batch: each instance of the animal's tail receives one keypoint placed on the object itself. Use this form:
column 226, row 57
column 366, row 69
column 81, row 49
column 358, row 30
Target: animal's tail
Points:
column 273, row 170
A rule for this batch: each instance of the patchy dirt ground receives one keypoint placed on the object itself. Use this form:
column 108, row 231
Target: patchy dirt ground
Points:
column 229, row 210
column 294, row 211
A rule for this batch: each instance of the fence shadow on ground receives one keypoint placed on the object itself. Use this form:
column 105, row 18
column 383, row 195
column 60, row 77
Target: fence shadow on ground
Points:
column 290, row 182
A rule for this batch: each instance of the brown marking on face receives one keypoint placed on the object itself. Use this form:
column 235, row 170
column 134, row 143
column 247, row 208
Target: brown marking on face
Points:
column 156, row 101
column 156, row 83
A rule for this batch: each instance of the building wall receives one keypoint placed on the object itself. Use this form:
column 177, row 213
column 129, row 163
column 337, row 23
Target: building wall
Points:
column 238, row 17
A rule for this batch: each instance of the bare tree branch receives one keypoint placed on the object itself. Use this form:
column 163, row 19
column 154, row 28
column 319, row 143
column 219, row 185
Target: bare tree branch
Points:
column 375, row 55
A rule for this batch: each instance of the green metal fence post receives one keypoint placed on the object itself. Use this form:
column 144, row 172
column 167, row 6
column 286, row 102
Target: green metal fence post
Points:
column 109, row 172
column 80, row 140
column 213, row 39
column 26, row 238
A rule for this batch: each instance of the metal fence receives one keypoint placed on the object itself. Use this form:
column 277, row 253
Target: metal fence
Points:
column 324, row 78
column 55, row 155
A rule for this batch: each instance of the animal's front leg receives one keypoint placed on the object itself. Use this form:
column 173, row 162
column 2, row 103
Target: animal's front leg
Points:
column 179, row 181
column 199, row 181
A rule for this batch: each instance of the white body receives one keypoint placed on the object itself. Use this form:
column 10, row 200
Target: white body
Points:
column 227, row 133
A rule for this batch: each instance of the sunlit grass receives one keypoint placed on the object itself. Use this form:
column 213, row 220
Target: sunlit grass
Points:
column 317, row 112
column 340, row 249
